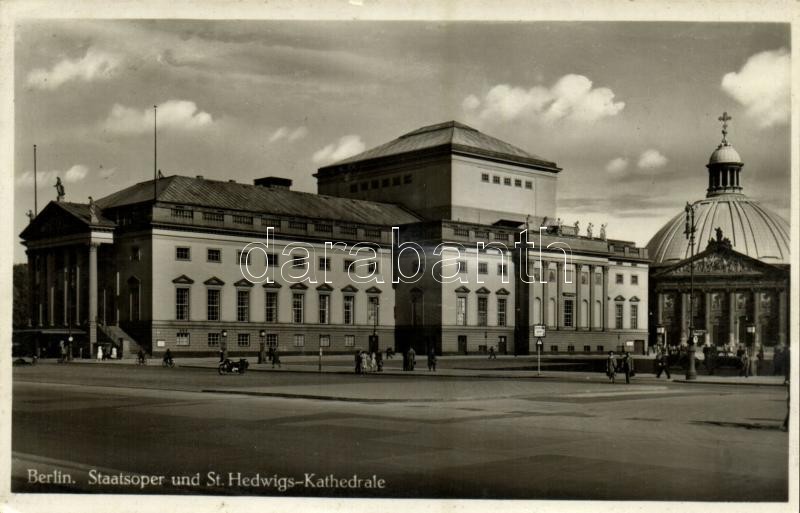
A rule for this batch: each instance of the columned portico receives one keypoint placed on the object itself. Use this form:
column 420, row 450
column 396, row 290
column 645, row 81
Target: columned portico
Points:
column 92, row 296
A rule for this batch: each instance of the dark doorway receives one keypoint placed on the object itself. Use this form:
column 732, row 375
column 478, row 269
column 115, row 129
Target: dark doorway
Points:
column 462, row 344
column 502, row 344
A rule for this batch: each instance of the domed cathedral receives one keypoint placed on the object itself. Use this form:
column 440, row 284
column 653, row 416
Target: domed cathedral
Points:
column 738, row 269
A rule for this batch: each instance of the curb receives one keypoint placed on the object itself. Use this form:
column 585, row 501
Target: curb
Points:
column 738, row 383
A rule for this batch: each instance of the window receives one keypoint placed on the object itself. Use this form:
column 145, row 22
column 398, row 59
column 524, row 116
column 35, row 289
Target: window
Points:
column 323, row 227
column 501, row 311
column 298, row 261
column 375, row 184
column 354, row 187
column 212, row 303
column 462, row 266
column 528, row 184
column 517, row 182
column 483, row 268
column 460, row 232
column 584, row 278
column 324, row 264
column 373, row 312
column 182, row 338
column 182, row 303
column 324, row 341
column 570, row 348
column 598, row 278
column 348, row 230
column 346, row 266
column 213, row 340
column 214, row 217
column 501, row 236
column 481, row 234
column 384, row 182
column 634, row 316
column 618, row 316
column 182, row 213
column 324, row 308
column 406, row 178
column 272, row 340
column 298, row 301
column 214, row 255
column 136, row 254
column 272, row 260
column 299, row 340
column 620, row 279
column 349, row 309
column 240, row 257
column 634, row 279
column 270, row 221
column 243, row 339
column 349, row 340
column 507, row 181
column 587, row 349
column 483, row 310
column 271, row 306
column 182, row 253
column 502, row 269
column 461, row 311
column 553, row 349
column 485, row 177
column 496, row 179
column 364, row 186
column 395, row 180
column 297, row 225
column 372, row 232
column 601, row 349
column 243, row 305
column 568, row 309
column 240, row 219
column 372, row 267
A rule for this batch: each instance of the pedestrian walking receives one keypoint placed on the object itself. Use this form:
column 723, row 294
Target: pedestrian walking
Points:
column 379, row 361
column 276, row 359
column 364, row 362
column 611, row 366
column 412, row 359
column 492, row 354
column 63, row 350
column 373, row 362
column 432, row 360
column 358, row 361
column 760, row 357
column 745, row 363
column 662, row 364
column 627, row 367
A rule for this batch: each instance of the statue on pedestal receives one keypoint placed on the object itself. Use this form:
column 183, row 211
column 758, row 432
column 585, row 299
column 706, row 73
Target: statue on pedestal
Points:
column 603, row 231
column 589, row 230
column 59, row 189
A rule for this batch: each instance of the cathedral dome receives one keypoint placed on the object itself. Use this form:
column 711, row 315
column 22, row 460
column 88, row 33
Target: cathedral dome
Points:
column 752, row 229
column 725, row 154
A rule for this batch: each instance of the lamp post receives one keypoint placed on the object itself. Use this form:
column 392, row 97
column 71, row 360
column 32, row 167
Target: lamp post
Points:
column 689, row 231
column 262, row 347
column 660, row 330
column 224, row 346
column 751, row 336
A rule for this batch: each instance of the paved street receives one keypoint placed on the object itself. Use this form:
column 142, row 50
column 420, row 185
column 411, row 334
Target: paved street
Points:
column 567, row 435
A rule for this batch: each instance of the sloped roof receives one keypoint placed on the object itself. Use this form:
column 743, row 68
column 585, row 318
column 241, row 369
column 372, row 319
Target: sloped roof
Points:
column 81, row 211
column 185, row 190
column 77, row 212
column 453, row 136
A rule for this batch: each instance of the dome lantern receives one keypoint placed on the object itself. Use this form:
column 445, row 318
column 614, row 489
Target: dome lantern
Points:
column 724, row 165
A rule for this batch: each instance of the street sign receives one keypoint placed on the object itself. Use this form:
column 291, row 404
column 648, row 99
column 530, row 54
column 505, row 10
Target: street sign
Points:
column 699, row 333
column 539, row 330
column 539, row 342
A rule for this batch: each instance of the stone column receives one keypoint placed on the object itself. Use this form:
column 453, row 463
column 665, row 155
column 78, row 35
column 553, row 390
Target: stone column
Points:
column 782, row 311
column 545, row 292
column 757, row 316
column 559, row 289
column 707, row 309
column 733, row 337
column 604, row 299
column 578, row 295
column 92, row 296
column 65, row 292
column 684, row 324
column 34, row 297
column 591, row 298
column 51, row 296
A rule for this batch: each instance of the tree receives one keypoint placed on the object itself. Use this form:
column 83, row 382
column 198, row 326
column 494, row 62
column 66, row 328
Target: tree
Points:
column 22, row 294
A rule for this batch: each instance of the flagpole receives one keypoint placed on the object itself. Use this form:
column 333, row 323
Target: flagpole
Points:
column 155, row 153
column 35, row 191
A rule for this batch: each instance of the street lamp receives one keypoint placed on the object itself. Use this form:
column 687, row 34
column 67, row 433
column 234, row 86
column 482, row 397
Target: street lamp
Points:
column 262, row 357
column 660, row 330
column 689, row 231
column 224, row 346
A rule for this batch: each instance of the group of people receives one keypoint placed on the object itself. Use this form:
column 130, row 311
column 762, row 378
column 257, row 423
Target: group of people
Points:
column 369, row 362
column 273, row 357
column 625, row 365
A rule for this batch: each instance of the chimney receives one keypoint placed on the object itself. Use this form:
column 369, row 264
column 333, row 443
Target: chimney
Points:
column 273, row 182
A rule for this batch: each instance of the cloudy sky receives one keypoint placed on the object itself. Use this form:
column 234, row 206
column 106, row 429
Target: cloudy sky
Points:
column 629, row 110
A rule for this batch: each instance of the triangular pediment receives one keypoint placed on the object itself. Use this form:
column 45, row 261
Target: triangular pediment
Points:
column 483, row 290
column 349, row 289
column 183, row 280
column 324, row 288
column 243, row 283
column 214, row 281
column 716, row 262
column 502, row 292
column 373, row 290
column 298, row 286
column 58, row 219
column 272, row 285
column 462, row 290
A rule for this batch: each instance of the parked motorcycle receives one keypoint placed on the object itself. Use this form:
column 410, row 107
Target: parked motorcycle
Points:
column 228, row 366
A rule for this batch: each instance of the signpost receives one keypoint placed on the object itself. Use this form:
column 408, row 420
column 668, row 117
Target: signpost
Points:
column 539, row 333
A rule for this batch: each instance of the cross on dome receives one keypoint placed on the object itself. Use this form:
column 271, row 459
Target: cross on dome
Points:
column 725, row 118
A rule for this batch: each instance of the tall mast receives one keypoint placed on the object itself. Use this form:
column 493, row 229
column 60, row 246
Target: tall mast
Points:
column 155, row 153
column 35, row 191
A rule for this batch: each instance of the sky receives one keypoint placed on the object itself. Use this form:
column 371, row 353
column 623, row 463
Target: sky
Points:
column 628, row 110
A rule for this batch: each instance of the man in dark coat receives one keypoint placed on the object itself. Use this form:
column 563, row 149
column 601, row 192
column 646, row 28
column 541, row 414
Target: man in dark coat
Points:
column 358, row 362
column 662, row 364
column 412, row 358
column 627, row 367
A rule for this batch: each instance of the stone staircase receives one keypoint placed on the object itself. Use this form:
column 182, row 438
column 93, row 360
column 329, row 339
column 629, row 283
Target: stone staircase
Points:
column 113, row 334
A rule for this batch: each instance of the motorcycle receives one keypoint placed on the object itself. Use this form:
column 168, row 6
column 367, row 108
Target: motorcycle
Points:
column 228, row 366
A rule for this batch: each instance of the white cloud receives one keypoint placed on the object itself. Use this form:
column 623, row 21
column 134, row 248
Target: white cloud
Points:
column 173, row 114
column 346, row 146
column 571, row 98
column 652, row 159
column 762, row 86
column 617, row 166
column 95, row 65
column 287, row 133
column 48, row 178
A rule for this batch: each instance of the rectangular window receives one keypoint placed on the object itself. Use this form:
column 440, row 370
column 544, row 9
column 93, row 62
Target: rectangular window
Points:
column 271, row 306
column 517, row 182
column 272, row 340
column 349, row 340
column 324, row 341
column 372, row 232
column 384, row 182
column 496, row 180
column 483, row 310
column 481, row 234
column 568, row 309
column 483, row 268
column 299, row 340
column 553, row 349
column 243, row 305
column 298, row 301
column 395, row 180
column 240, row 257
column 372, row 267
column 502, row 270
column 182, row 338
column 182, row 253
column 634, row 316
column 135, row 298
column 214, row 255
column 272, row 260
column 507, row 181
column 528, row 184
column 570, row 348
column 501, row 311
column 270, row 221
column 214, row 217
column 373, row 312
column 601, row 349
column 240, row 219
column 212, row 301
column 213, row 340
column 297, row 225
column 243, row 339
column 346, row 266
column 136, row 254
column 598, row 278
column 182, row 303
column 485, row 177
column 461, row 311
column 406, row 179
column 634, row 279
column 584, row 278
column 375, row 184
column 348, row 230
column 324, row 264
column 182, row 213
column 324, row 308
column 462, row 266
column 323, row 227
column 620, row 279
column 349, row 309
column 364, row 186
column 354, row 187
column 618, row 316
column 298, row 261
column 460, row 232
